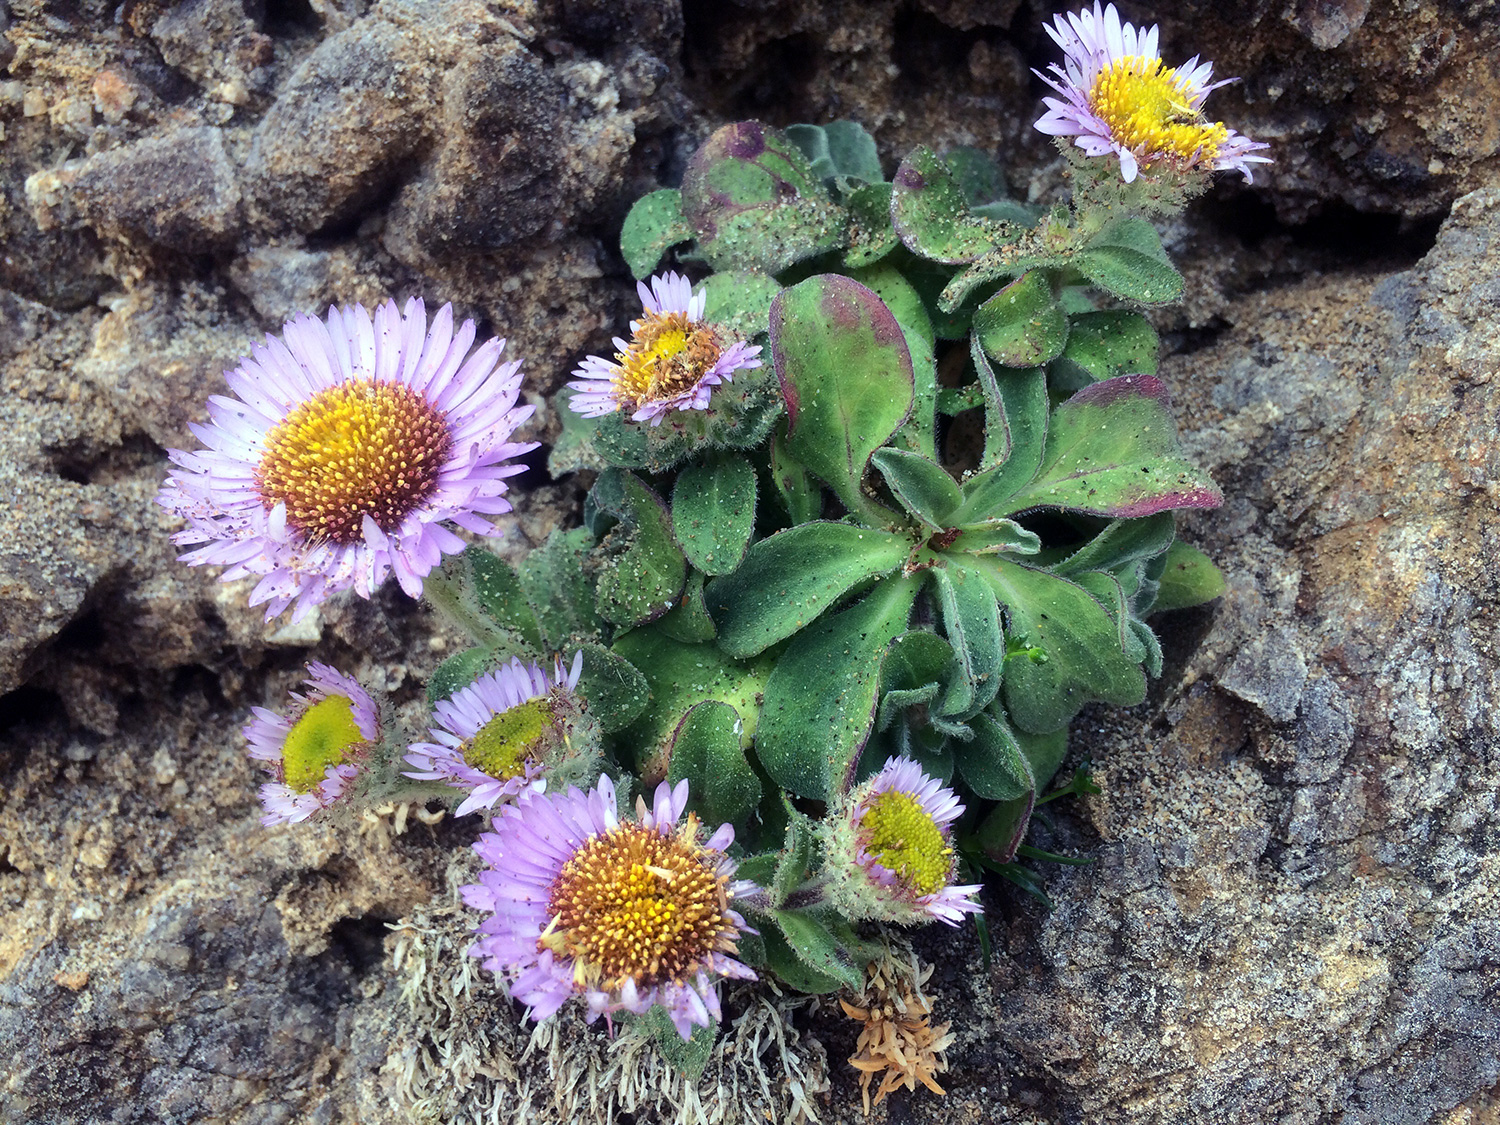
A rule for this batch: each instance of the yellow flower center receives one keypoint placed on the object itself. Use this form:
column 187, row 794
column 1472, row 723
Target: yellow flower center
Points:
column 904, row 838
column 668, row 354
column 322, row 737
column 1149, row 110
column 360, row 448
column 502, row 745
column 632, row 904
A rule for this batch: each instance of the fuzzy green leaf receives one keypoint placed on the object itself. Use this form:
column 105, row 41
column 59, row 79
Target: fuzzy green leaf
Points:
column 458, row 672
column 838, row 149
column 1102, row 345
column 1126, row 258
column 740, row 301
column 932, row 216
column 993, row 536
column 713, row 510
column 992, row 764
column 847, row 379
column 707, row 754
column 755, row 203
column 820, row 699
column 653, row 226
column 644, row 577
column 1112, row 451
column 795, row 862
column 871, row 236
column 1188, row 578
column 560, row 594
column 686, row 1056
column 688, row 621
column 787, row 580
column 915, row 668
column 1016, row 416
column 924, row 487
column 971, row 622
column 787, row 964
column 1082, row 659
column 799, row 492
column 500, row 595
column 616, row 691
column 818, row 948
column 1119, row 544
column 1022, row 325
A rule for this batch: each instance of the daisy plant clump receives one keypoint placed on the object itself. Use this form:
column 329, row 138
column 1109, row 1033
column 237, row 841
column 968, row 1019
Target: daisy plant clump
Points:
column 884, row 492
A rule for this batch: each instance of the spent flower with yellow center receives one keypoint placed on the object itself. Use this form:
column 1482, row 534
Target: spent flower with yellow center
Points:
column 672, row 361
column 314, row 754
column 506, row 731
column 350, row 446
column 1118, row 97
column 624, row 914
column 890, row 853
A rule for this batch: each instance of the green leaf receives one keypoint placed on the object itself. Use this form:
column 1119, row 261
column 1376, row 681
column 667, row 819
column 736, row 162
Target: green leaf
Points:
column 817, row 947
column 616, row 691
column 900, row 297
column 846, row 375
column 914, row 670
column 755, row 203
column 1102, row 345
column 1122, row 542
column 977, row 174
column 1016, row 417
column 993, row 764
column 654, row 225
column 971, row 622
column 646, row 574
column 680, row 677
column 560, row 594
column 924, row 487
column 1001, row 831
column 1079, row 639
column 1188, row 578
column 1112, row 451
column 784, row 961
column 708, row 755
column 799, row 493
column 740, row 301
column 992, row 536
column 787, row 580
column 1126, row 258
column 500, row 595
column 594, row 443
column 1022, row 325
column 871, row 236
column 840, row 148
column 820, row 699
column 795, row 862
column 458, row 672
column 713, row 510
column 932, row 216
column 688, row 621
column 686, row 1056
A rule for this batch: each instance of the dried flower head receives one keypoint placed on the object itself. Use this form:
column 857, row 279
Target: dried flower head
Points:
column 350, row 444
column 315, row 753
column 890, row 853
column 626, row 914
column 898, row 1040
column 1119, row 97
column 672, row 361
column 496, row 736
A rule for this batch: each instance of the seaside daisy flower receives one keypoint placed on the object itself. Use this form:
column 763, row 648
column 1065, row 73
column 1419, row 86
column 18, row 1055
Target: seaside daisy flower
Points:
column 496, row 736
column 672, row 361
column 315, row 753
column 890, row 852
column 623, row 913
column 1119, row 97
column 350, row 445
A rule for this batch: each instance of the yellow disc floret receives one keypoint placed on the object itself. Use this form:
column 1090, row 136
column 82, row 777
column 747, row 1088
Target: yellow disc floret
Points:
column 903, row 837
column 322, row 737
column 360, row 448
column 632, row 904
column 502, row 746
column 1150, row 111
column 668, row 354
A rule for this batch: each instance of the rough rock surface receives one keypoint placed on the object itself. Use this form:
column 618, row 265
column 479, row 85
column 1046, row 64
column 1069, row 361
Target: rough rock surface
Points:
column 1292, row 913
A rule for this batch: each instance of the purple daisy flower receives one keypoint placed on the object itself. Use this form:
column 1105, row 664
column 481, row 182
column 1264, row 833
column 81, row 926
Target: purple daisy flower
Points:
column 315, row 753
column 494, row 737
column 351, row 443
column 626, row 914
column 1117, row 97
column 672, row 361
column 891, row 854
